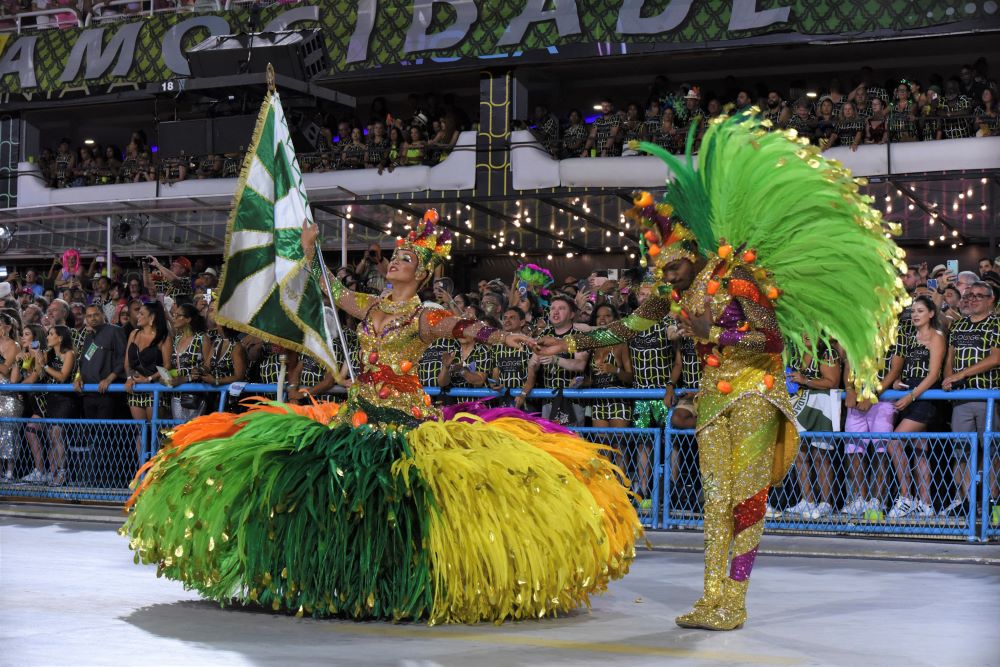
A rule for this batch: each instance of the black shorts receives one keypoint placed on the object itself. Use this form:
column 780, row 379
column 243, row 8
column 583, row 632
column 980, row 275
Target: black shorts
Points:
column 922, row 412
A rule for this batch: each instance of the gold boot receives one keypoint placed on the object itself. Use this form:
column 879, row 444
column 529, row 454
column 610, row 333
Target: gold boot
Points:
column 696, row 618
column 731, row 614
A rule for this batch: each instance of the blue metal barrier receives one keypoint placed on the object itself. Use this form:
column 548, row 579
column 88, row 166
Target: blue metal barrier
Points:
column 673, row 479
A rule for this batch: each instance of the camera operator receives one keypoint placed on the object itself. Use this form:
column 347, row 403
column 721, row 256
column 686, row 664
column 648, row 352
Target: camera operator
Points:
column 372, row 269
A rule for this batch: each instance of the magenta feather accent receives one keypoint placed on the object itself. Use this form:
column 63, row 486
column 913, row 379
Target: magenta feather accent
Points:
column 487, row 414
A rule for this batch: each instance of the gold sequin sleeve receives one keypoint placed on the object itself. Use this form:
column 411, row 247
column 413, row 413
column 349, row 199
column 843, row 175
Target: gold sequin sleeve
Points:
column 355, row 304
column 652, row 311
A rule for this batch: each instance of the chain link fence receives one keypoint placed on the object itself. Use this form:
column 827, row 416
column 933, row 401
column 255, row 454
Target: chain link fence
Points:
column 637, row 451
column 933, row 484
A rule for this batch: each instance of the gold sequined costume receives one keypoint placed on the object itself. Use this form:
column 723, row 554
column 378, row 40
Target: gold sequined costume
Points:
column 787, row 250
column 746, row 433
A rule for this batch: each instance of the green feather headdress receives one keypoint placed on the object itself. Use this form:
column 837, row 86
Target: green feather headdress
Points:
column 814, row 234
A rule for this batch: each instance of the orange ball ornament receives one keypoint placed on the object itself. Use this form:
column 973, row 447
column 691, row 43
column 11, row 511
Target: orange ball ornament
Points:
column 643, row 199
column 400, row 242
column 712, row 287
column 725, row 251
column 650, row 236
column 406, row 366
column 750, row 256
column 431, row 216
column 359, row 419
column 743, row 328
column 712, row 360
column 768, row 381
column 427, row 399
column 773, row 293
column 724, row 387
column 654, row 250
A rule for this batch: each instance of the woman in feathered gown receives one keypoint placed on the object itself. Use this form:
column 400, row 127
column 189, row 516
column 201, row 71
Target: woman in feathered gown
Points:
column 383, row 507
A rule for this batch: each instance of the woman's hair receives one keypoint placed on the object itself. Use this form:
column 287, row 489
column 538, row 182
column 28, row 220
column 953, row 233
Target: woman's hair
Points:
column 37, row 334
column 844, row 108
column 65, row 341
column 11, row 318
column 929, row 304
column 197, row 321
column 155, row 309
column 597, row 308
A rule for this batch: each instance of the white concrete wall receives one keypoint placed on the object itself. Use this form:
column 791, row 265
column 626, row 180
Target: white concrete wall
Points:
column 458, row 172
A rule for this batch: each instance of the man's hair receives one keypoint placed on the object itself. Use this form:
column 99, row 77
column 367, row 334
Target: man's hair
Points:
column 969, row 276
column 514, row 309
column 62, row 302
column 565, row 299
column 984, row 259
column 982, row 284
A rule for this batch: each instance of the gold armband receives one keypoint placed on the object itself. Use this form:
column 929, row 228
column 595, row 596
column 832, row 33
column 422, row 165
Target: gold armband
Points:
column 571, row 343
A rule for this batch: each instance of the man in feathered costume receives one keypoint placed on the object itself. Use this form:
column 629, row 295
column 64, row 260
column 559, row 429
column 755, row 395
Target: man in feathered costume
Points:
column 767, row 244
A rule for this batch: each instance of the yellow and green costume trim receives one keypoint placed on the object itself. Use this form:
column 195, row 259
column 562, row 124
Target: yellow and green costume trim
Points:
column 451, row 521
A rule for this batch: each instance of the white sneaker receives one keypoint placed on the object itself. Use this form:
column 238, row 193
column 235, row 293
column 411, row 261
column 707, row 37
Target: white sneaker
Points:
column 957, row 505
column 856, row 507
column 802, row 508
column 821, row 510
column 902, row 507
column 922, row 509
column 33, row 477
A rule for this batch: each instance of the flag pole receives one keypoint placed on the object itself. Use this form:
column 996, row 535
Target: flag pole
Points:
column 333, row 306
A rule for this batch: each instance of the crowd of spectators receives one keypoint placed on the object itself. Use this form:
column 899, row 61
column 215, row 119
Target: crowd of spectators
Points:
column 871, row 110
column 425, row 133
column 162, row 315
column 949, row 339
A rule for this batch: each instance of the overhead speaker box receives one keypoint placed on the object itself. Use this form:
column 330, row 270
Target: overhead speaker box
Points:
column 299, row 54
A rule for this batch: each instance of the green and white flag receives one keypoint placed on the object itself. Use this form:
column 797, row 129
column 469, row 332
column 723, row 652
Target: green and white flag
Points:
column 267, row 289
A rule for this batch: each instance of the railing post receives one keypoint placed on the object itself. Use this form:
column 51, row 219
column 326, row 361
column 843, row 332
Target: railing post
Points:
column 987, row 468
column 154, row 435
column 657, row 485
column 668, row 443
column 973, row 445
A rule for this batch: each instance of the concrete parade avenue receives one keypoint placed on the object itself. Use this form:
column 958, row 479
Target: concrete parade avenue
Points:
column 70, row 595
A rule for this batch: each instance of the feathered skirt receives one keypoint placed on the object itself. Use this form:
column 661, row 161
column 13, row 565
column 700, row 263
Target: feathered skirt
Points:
column 484, row 516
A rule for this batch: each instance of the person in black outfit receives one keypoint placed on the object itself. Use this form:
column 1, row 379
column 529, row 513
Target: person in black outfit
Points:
column 102, row 361
column 57, row 369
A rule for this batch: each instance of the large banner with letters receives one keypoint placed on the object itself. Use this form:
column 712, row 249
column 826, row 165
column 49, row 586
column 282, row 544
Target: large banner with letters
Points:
column 367, row 35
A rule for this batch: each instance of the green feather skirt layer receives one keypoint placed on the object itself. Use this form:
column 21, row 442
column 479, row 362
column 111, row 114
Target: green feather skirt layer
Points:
column 291, row 515
column 456, row 521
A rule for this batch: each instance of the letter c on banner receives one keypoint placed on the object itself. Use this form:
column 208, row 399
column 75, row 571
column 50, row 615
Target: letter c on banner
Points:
column 172, row 56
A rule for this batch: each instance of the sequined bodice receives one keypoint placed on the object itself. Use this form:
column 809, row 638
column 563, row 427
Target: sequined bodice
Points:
column 389, row 357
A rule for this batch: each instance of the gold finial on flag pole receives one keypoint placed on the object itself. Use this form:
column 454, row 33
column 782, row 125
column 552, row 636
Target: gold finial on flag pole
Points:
column 270, row 78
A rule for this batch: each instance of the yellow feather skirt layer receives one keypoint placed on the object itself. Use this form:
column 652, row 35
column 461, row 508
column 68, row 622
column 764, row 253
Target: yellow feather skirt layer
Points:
column 605, row 481
column 514, row 531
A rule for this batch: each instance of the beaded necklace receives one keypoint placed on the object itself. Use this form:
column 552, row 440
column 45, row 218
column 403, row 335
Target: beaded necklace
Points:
column 390, row 307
